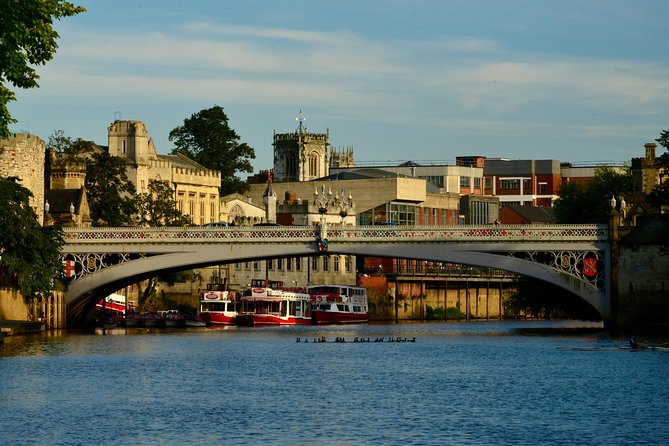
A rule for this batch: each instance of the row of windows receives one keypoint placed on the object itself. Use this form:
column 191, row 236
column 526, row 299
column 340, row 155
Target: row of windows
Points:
column 467, row 182
column 324, row 263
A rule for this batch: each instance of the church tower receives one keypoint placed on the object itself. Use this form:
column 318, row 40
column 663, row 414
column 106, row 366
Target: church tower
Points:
column 301, row 156
column 130, row 139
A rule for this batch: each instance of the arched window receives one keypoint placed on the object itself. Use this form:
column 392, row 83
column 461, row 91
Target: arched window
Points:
column 291, row 165
column 313, row 164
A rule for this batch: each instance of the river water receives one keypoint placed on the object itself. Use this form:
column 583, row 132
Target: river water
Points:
column 490, row 383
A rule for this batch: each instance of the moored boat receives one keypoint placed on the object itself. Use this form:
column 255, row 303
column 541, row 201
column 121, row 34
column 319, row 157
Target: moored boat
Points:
column 274, row 305
column 152, row 320
column 219, row 307
column 338, row 304
column 173, row 319
column 110, row 311
column 194, row 320
column 132, row 319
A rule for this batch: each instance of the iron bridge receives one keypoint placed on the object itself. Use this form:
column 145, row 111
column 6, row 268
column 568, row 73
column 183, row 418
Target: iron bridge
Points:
column 99, row 261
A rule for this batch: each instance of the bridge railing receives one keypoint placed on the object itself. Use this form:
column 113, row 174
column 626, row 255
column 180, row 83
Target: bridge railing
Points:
column 464, row 233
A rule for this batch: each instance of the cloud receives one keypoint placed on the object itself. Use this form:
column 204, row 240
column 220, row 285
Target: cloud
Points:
column 470, row 81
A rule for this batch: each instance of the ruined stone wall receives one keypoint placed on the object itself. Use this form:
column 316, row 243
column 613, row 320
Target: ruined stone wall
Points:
column 23, row 156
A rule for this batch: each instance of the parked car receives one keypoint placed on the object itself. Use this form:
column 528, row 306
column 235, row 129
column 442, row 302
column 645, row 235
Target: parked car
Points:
column 218, row 224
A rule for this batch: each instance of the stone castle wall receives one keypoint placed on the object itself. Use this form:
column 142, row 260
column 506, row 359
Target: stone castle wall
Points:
column 23, row 156
column 643, row 285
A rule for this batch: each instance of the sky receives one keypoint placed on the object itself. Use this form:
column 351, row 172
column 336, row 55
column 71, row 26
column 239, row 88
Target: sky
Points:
column 422, row 80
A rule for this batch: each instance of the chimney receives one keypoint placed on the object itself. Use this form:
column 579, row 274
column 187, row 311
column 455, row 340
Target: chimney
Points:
column 650, row 151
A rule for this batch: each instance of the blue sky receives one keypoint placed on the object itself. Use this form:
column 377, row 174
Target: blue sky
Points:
column 397, row 80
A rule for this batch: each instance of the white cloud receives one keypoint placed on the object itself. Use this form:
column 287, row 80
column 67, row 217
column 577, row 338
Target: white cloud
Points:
column 472, row 83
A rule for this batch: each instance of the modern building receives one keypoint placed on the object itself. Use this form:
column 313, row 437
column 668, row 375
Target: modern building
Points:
column 525, row 182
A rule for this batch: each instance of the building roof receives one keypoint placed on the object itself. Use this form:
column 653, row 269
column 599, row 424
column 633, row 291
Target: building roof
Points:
column 180, row 160
column 60, row 199
column 361, row 174
column 652, row 230
column 534, row 214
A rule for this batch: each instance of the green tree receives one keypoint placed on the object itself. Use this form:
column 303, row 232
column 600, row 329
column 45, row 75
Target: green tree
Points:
column 591, row 203
column 543, row 300
column 158, row 208
column 27, row 39
column 206, row 137
column 660, row 195
column 29, row 252
column 110, row 193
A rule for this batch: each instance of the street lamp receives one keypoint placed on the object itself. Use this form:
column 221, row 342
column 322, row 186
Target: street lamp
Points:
column 345, row 204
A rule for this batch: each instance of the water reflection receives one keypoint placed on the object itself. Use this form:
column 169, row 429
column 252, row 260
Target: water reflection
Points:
column 476, row 383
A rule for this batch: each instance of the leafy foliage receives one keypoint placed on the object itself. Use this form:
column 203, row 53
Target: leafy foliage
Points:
column 660, row 195
column 546, row 301
column 29, row 253
column 110, row 193
column 27, row 38
column 206, row 137
column 591, row 203
column 158, row 208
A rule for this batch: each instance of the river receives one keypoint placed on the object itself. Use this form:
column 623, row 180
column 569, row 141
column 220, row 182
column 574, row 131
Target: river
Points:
column 484, row 383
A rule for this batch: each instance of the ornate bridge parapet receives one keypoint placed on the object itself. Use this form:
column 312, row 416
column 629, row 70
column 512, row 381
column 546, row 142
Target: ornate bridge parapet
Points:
column 576, row 257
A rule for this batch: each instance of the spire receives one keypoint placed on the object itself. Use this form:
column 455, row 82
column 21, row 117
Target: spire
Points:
column 300, row 120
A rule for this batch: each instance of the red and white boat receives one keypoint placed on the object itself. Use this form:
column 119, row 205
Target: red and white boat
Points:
column 338, row 304
column 219, row 307
column 110, row 310
column 274, row 305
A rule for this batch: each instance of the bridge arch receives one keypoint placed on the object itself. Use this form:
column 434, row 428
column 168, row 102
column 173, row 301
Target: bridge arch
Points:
column 149, row 251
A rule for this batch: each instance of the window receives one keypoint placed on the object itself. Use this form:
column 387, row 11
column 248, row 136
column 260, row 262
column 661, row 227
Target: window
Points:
column 526, row 183
column 289, row 264
column 488, row 183
column 326, row 263
column 477, row 182
column 297, row 264
column 313, row 164
column 270, row 264
column 435, row 216
column 347, row 263
column 509, row 184
column 465, row 181
column 543, row 188
column 279, row 264
column 314, row 263
column 256, row 265
column 291, row 165
column 436, row 180
column 335, row 263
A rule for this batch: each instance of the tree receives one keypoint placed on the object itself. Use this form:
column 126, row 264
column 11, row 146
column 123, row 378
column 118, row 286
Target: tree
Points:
column 27, row 38
column 207, row 138
column 157, row 206
column 660, row 194
column 546, row 301
column 591, row 203
column 110, row 192
column 29, row 253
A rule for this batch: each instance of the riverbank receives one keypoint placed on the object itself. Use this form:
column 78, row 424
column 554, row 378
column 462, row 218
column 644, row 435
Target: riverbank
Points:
column 12, row 328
